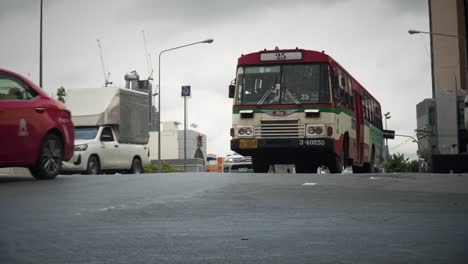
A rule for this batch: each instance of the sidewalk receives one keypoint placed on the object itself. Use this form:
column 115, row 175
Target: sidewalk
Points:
column 14, row 171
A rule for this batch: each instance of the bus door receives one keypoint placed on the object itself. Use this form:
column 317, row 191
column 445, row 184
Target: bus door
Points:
column 359, row 126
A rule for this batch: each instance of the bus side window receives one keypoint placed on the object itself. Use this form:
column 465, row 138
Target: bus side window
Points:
column 335, row 82
column 378, row 116
column 343, row 89
column 363, row 104
column 350, row 94
column 369, row 108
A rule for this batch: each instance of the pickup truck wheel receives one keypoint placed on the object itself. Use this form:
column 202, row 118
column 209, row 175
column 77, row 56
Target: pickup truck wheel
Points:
column 137, row 167
column 50, row 158
column 94, row 166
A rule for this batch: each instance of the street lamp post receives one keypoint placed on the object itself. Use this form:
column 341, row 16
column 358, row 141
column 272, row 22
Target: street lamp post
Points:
column 209, row 41
column 387, row 116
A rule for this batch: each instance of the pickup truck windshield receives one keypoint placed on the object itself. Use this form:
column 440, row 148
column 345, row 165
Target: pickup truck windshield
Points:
column 86, row 132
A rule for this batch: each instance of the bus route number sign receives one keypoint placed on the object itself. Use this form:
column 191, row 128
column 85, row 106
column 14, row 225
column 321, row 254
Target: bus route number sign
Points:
column 281, row 56
column 311, row 142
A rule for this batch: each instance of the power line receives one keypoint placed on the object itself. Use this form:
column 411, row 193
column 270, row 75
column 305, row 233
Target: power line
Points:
column 401, row 144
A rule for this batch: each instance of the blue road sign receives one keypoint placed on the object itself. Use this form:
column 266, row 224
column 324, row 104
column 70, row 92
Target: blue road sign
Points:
column 185, row 91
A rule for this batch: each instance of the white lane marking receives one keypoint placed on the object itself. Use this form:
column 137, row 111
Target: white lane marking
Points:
column 374, row 178
column 107, row 208
column 309, row 184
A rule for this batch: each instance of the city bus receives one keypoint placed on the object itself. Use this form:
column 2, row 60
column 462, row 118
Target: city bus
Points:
column 301, row 107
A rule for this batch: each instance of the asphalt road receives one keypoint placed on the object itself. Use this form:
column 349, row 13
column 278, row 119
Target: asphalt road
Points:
column 235, row 218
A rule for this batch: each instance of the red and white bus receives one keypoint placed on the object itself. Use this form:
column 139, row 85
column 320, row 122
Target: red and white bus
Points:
column 301, row 107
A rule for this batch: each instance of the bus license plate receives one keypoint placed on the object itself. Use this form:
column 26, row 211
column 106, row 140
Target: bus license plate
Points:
column 248, row 143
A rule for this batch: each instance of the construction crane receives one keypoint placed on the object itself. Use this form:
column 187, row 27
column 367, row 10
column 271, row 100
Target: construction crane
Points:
column 106, row 76
column 149, row 65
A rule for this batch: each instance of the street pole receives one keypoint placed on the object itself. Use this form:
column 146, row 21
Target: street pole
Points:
column 387, row 116
column 185, row 93
column 185, row 133
column 208, row 41
column 386, row 140
column 40, row 48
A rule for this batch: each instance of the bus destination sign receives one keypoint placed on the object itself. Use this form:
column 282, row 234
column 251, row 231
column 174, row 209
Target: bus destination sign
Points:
column 281, row 56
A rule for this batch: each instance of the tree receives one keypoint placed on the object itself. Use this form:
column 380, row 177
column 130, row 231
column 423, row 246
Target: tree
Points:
column 61, row 94
column 398, row 163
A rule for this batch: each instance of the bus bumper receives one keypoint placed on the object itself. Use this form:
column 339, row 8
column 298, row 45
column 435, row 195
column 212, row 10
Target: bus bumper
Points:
column 249, row 147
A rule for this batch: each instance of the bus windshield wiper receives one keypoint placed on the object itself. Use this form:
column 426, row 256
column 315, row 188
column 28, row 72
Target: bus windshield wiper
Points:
column 288, row 93
column 273, row 89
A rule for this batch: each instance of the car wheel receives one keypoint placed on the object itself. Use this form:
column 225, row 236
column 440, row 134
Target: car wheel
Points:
column 94, row 166
column 50, row 158
column 137, row 167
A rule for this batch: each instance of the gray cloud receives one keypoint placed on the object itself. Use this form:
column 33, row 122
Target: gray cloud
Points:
column 206, row 11
column 13, row 7
column 416, row 7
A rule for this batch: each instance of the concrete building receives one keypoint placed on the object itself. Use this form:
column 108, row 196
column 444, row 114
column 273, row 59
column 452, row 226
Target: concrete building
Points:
column 441, row 128
column 172, row 147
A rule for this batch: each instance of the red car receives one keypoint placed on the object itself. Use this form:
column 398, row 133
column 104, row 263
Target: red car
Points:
column 36, row 131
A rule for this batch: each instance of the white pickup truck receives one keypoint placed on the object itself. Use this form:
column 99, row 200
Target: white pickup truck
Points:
column 97, row 150
column 111, row 130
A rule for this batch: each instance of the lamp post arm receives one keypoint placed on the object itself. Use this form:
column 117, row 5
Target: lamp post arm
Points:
column 406, row 136
column 434, row 33
column 183, row 46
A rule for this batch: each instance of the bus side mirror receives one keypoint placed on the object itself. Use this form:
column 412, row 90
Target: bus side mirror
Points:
column 232, row 88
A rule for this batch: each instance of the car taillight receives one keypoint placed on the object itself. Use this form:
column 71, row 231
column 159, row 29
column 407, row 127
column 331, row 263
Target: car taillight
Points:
column 329, row 131
column 232, row 132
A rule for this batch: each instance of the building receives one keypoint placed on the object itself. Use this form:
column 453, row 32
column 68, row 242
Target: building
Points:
column 172, row 147
column 441, row 128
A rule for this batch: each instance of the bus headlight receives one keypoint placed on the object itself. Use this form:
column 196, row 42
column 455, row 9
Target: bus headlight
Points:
column 315, row 130
column 245, row 131
column 319, row 130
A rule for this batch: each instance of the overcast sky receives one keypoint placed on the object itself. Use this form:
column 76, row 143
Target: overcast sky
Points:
column 368, row 37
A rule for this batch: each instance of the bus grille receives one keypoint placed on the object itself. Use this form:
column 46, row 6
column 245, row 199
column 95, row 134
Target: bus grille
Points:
column 279, row 129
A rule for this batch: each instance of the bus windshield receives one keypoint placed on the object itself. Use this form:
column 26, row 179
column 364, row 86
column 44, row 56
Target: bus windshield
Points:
column 286, row 84
column 86, row 132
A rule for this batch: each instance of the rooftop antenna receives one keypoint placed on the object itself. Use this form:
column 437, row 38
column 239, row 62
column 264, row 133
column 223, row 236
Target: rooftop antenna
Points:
column 149, row 65
column 106, row 76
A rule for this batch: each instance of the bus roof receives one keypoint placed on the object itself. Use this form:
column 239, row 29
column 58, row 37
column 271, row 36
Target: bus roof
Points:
column 268, row 57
